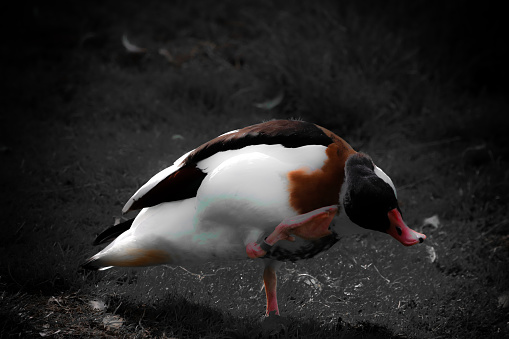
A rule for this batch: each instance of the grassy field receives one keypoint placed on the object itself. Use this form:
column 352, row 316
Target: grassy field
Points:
column 85, row 123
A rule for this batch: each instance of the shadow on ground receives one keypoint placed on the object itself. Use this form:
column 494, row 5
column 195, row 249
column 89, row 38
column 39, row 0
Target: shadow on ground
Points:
column 79, row 315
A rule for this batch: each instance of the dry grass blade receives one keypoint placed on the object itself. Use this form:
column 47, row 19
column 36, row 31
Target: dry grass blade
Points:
column 130, row 47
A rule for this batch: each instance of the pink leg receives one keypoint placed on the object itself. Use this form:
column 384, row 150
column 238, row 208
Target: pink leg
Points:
column 270, row 282
column 310, row 226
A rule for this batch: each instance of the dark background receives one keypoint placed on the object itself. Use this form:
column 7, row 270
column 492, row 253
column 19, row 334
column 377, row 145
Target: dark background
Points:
column 420, row 85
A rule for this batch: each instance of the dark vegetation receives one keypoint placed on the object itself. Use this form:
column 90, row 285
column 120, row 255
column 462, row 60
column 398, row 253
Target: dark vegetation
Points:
column 417, row 85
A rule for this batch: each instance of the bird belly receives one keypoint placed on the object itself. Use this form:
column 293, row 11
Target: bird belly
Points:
column 242, row 199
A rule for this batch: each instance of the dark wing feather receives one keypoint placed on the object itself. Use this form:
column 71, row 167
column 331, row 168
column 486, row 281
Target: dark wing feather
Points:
column 289, row 133
column 112, row 232
column 184, row 182
column 181, row 184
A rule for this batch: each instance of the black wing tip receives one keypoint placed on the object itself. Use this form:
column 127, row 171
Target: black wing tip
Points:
column 91, row 264
column 112, row 232
column 100, row 239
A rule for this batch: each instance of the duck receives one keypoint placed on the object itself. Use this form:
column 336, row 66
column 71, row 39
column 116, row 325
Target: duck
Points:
column 277, row 191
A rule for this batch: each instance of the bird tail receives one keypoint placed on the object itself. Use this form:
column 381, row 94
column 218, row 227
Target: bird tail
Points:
column 111, row 233
column 126, row 255
column 94, row 264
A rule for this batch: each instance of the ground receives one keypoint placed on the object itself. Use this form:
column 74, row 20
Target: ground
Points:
column 85, row 122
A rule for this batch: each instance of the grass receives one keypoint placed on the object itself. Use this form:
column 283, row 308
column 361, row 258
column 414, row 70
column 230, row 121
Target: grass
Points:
column 88, row 123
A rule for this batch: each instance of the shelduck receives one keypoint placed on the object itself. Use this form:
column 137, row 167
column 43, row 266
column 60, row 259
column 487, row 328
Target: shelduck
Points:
column 282, row 190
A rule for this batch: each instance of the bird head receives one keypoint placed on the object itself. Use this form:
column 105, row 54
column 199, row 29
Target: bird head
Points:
column 370, row 200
